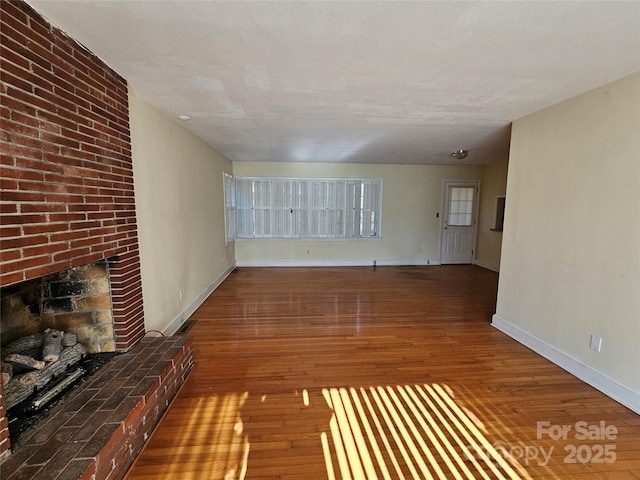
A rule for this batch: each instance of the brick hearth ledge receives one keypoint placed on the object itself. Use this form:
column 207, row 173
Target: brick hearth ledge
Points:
column 99, row 429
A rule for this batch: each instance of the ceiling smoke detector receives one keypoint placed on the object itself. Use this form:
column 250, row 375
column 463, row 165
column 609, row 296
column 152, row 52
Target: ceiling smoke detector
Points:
column 460, row 154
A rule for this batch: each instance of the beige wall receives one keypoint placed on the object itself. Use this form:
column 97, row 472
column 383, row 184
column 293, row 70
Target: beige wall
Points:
column 180, row 210
column 489, row 243
column 571, row 253
column 410, row 229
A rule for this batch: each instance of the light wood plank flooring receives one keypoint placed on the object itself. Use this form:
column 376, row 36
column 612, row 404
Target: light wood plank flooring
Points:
column 393, row 372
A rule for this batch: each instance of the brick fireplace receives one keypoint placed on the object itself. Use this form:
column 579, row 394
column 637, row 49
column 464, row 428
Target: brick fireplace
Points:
column 66, row 172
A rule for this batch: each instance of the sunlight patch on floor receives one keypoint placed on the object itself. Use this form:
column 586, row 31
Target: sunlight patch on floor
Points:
column 221, row 448
column 403, row 432
column 408, row 432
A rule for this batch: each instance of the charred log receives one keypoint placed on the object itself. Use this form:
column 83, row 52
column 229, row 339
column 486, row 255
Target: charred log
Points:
column 52, row 345
column 69, row 339
column 24, row 385
column 30, row 345
column 25, row 361
column 7, row 372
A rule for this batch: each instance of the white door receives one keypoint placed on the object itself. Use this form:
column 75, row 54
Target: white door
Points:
column 458, row 222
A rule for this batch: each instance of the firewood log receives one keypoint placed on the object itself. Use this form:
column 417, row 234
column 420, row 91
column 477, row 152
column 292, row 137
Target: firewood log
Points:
column 23, row 385
column 25, row 361
column 7, row 372
column 6, row 368
column 30, row 378
column 16, row 391
column 69, row 356
column 30, row 345
column 69, row 339
column 52, row 345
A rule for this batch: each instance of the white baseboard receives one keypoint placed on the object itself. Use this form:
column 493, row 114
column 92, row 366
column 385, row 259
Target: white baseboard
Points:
column 488, row 265
column 175, row 324
column 333, row 263
column 607, row 385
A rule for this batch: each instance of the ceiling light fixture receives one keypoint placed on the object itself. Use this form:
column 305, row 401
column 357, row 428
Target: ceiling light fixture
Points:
column 460, row 154
column 184, row 118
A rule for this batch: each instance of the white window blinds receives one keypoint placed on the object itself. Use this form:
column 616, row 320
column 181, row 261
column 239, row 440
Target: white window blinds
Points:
column 230, row 220
column 307, row 207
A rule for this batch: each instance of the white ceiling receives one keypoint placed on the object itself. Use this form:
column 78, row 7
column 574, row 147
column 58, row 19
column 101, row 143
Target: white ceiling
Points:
column 371, row 82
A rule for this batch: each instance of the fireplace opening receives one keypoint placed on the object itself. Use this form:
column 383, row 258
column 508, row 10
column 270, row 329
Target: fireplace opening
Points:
column 55, row 332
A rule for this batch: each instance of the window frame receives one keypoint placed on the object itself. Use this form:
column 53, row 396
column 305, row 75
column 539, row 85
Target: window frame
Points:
column 321, row 204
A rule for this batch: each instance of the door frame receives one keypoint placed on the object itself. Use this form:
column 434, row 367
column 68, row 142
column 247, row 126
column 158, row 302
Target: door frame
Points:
column 443, row 209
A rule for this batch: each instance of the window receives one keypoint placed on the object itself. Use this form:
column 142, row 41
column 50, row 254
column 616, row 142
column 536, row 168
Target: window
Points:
column 230, row 207
column 307, row 207
column 461, row 206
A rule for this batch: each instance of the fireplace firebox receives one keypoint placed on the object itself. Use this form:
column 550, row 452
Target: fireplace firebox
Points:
column 76, row 300
column 47, row 326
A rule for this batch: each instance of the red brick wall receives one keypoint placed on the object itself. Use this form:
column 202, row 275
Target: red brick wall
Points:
column 65, row 158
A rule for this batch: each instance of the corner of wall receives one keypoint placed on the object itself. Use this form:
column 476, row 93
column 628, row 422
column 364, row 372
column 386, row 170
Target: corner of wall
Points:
column 175, row 324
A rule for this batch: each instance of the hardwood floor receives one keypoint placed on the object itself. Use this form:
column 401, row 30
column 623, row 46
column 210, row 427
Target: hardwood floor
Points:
column 394, row 372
